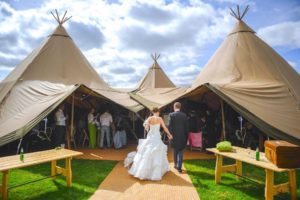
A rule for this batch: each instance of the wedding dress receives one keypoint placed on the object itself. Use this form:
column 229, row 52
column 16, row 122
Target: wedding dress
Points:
column 150, row 162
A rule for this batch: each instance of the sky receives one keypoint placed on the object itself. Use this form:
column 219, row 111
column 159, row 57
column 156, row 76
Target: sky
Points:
column 118, row 36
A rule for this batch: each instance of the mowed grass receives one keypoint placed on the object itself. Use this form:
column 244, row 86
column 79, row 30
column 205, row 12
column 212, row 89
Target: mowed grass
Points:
column 202, row 175
column 87, row 175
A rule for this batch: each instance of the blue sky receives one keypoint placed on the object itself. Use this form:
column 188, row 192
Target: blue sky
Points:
column 117, row 37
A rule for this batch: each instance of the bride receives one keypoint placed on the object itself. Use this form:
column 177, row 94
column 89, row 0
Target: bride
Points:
column 150, row 161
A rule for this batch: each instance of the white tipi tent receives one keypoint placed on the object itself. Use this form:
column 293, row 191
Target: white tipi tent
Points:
column 44, row 79
column 257, row 82
column 155, row 77
column 156, row 89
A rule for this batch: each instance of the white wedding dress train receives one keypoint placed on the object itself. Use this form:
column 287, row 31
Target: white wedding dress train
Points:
column 150, row 161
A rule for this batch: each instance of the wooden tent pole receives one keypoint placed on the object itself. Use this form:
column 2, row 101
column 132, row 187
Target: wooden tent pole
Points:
column 223, row 121
column 72, row 123
column 133, row 123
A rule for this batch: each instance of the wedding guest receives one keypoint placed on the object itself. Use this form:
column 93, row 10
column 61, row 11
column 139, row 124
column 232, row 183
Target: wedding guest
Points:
column 105, row 122
column 60, row 128
column 178, row 126
column 192, row 120
column 92, row 127
column 120, row 138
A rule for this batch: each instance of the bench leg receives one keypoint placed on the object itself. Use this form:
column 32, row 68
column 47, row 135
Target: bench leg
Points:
column 269, row 184
column 239, row 169
column 218, row 170
column 4, row 187
column 68, row 172
column 53, row 169
column 293, row 185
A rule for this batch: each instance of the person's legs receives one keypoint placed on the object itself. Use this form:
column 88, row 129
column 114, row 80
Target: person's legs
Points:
column 63, row 136
column 175, row 157
column 56, row 136
column 108, row 136
column 124, row 138
column 92, row 134
column 98, row 136
column 180, row 159
column 102, row 137
column 59, row 135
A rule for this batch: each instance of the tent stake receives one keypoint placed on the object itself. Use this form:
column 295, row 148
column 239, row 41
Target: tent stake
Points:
column 223, row 121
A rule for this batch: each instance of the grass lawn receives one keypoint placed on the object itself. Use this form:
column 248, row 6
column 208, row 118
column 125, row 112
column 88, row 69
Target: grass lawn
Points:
column 202, row 175
column 87, row 175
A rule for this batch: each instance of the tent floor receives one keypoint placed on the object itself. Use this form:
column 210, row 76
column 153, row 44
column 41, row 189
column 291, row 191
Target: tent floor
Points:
column 120, row 154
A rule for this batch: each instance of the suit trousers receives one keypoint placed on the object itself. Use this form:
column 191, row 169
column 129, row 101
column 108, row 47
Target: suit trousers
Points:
column 178, row 158
column 60, row 134
column 105, row 130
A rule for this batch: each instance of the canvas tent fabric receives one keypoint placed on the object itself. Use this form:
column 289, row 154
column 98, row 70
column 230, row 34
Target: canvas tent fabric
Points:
column 256, row 81
column 45, row 78
column 28, row 103
column 155, row 78
column 159, row 97
column 156, row 89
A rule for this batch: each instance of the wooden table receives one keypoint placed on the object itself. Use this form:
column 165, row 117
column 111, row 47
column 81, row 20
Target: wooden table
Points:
column 13, row 162
column 241, row 155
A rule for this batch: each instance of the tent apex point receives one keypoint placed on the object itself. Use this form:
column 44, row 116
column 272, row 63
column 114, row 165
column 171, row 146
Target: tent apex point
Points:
column 57, row 18
column 237, row 14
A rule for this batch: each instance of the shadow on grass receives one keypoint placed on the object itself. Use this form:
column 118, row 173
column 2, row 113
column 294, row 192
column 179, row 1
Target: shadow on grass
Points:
column 202, row 175
column 87, row 175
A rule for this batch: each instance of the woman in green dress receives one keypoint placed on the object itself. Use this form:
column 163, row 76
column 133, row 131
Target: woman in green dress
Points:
column 92, row 128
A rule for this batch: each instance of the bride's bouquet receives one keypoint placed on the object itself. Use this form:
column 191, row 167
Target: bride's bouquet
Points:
column 145, row 122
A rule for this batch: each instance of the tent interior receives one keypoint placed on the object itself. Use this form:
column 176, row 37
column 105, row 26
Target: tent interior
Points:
column 206, row 114
column 77, row 106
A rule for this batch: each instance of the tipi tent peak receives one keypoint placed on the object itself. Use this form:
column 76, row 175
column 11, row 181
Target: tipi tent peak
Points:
column 44, row 79
column 62, row 20
column 156, row 89
column 238, row 14
column 255, row 81
column 155, row 57
column 155, row 77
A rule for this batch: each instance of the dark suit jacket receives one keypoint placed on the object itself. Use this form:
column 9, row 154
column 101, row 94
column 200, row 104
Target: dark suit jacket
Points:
column 178, row 126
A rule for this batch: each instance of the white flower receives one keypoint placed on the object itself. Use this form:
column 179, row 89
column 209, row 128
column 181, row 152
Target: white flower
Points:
column 145, row 123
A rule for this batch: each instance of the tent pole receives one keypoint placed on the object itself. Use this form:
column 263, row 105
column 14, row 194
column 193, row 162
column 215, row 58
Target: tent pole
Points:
column 133, row 123
column 19, row 145
column 72, row 123
column 223, row 121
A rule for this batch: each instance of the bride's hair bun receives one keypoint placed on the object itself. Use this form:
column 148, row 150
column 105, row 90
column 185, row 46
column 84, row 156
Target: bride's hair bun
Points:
column 155, row 110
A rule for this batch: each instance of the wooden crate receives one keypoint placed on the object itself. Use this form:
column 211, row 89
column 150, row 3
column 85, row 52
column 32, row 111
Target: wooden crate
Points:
column 283, row 154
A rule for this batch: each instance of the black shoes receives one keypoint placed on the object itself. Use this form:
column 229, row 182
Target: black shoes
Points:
column 179, row 170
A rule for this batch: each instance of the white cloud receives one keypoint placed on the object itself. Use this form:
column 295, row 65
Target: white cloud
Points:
column 118, row 38
column 231, row 1
column 8, row 69
column 283, row 34
column 185, row 75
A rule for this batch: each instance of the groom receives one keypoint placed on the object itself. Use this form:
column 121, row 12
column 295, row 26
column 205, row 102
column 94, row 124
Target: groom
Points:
column 178, row 126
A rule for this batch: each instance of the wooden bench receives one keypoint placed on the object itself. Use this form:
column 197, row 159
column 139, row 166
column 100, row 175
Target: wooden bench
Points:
column 14, row 162
column 241, row 155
